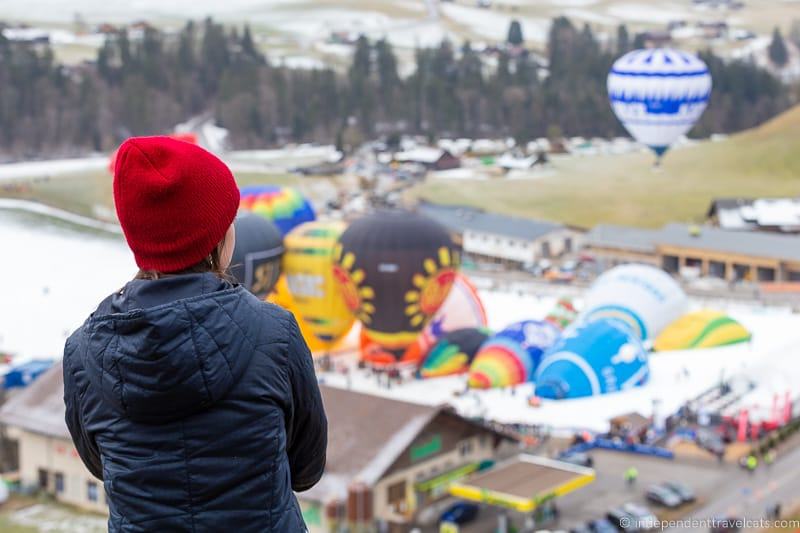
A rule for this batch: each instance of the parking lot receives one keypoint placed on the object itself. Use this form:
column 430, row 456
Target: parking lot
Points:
column 610, row 489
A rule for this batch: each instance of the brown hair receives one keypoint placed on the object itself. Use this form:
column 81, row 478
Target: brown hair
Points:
column 210, row 263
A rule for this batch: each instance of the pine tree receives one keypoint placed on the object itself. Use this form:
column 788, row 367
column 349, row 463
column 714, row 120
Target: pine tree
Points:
column 777, row 51
column 515, row 37
column 623, row 40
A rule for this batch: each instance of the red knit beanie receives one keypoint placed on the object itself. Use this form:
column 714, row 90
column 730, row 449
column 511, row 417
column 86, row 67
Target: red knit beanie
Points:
column 175, row 201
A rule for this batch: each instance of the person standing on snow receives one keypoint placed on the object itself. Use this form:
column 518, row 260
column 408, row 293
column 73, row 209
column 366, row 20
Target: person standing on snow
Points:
column 194, row 402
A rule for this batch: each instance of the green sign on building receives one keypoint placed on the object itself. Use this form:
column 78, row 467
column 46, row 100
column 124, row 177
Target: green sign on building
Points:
column 426, row 449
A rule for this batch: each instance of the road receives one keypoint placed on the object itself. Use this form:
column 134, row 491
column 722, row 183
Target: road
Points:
column 747, row 496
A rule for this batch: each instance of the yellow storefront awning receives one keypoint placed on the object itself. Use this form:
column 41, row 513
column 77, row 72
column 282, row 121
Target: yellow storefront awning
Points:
column 523, row 483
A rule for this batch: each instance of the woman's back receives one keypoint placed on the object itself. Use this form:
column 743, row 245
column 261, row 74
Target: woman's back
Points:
column 197, row 405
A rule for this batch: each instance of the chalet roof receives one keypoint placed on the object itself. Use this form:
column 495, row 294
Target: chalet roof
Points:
column 622, row 238
column 421, row 154
column 709, row 238
column 757, row 213
column 748, row 243
column 462, row 218
column 39, row 408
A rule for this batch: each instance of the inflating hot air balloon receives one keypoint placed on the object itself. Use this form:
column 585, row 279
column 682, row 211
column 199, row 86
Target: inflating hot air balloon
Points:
column 511, row 356
column 644, row 297
column 658, row 94
column 589, row 359
column 308, row 266
column 453, row 353
column 281, row 297
column 256, row 261
column 394, row 269
column 701, row 329
column 563, row 313
column 461, row 309
column 285, row 206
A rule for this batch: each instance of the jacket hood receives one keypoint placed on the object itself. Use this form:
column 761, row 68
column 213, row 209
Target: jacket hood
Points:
column 164, row 349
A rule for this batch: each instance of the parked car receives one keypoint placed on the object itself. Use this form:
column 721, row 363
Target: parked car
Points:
column 578, row 458
column 622, row 520
column 710, row 441
column 663, row 496
column 685, row 492
column 460, row 513
column 602, row 525
column 645, row 519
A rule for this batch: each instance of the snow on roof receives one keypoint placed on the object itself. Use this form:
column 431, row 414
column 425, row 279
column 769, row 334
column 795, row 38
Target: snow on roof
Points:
column 747, row 213
column 420, row 154
column 509, row 161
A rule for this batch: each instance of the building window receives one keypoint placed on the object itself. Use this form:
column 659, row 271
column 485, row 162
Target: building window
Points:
column 59, row 481
column 397, row 493
column 91, row 491
column 44, row 479
column 546, row 249
column 765, row 274
column 465, row 447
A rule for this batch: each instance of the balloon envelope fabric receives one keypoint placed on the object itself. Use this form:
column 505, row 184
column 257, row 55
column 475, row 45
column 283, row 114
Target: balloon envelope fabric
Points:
column 658, row 94
column 461, row 309
column 643, row 296
column 284, row 206
column 701, row 329
column 256, row 260
column 590, row 359
column 453, row 353
column 563, row 313
column 395, row 269
column 511, row 356
column 308, row 266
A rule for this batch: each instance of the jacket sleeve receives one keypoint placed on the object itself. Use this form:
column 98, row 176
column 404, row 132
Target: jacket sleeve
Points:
column 307, row 431
column 84, row 443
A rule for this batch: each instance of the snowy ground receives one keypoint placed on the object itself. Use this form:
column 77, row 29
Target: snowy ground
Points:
column 56, row 519
column 59, row 272
column 54, row 274
column 675, row 377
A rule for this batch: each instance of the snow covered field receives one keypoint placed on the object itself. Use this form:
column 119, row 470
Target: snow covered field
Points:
column 54, row 274
column 675, row 376
column 58, row 272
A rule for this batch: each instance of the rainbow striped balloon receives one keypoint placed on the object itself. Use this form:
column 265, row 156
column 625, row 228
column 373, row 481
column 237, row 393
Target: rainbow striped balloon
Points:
column 511, row 356
column 284, row 206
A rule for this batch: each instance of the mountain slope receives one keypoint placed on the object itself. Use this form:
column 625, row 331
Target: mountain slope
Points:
column 625, row 189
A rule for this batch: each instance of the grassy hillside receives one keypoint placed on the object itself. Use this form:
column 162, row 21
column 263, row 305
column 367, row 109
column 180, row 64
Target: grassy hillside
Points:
column 88, row 192
column 626, row 189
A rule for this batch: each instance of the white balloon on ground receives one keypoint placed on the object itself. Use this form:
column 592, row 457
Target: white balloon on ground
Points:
column 644, row 297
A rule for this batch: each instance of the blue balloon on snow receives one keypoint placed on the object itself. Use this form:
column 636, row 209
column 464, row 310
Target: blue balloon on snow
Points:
column 658, row 94
column 590, row 359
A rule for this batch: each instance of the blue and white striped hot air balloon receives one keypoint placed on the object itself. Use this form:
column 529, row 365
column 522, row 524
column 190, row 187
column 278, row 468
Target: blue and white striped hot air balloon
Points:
column 658, row 94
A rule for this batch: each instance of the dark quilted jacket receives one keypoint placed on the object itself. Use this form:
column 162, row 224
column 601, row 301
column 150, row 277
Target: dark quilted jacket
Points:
column 197, row 406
